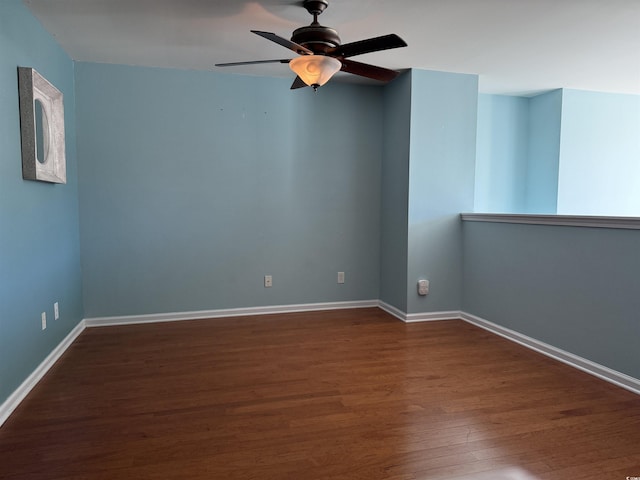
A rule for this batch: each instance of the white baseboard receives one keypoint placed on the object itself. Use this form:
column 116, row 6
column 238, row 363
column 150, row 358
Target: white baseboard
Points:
column 433, row 316
column 11, row 403
column 390, row 309
column 229, row 312
column 617, row 378
column 419, row 317
column 604, row 373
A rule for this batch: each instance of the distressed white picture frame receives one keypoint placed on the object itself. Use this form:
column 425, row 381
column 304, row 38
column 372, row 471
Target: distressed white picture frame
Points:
column 52, row 167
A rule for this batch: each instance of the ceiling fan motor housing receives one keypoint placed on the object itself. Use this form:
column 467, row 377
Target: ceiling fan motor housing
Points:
column 316, row 38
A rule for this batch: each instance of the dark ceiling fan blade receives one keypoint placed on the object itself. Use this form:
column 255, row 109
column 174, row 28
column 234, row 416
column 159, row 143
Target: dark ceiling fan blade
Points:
column 298, row 83
column 253, row 62
column 369, row 45
column 369, row 71
column 299, row 49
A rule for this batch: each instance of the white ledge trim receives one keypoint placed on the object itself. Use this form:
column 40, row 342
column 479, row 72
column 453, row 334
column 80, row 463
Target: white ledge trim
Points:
column 629, row 223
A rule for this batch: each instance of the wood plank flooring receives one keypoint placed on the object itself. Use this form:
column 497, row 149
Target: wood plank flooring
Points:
column 351, row 394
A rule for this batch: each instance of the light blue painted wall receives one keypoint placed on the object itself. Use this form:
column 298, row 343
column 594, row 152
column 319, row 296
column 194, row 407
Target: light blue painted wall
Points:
column 194, row 185
column 502, row 154
column 599, row 154
column 395, row 192
column 574, row 288
column 441, row 184
column 39, row 233
column 518, row 153
column 545, row 113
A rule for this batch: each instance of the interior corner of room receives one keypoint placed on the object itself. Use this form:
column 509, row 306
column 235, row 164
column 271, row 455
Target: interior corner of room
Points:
column 186, row 189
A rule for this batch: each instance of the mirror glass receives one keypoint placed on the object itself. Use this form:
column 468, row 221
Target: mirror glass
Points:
column 42, row 132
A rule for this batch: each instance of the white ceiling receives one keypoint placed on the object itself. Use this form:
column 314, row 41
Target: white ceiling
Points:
column 515, row 46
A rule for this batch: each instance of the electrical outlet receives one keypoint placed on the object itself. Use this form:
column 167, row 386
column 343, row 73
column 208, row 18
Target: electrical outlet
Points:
column 340, row 277
column 56, row 311
column 268, row 281
column 44, row 320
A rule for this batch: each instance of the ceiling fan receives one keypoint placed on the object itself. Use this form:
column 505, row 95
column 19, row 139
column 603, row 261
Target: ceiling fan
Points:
column 321, row 55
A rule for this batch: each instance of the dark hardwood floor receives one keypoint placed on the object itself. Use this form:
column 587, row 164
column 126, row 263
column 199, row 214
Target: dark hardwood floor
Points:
column 351, row 394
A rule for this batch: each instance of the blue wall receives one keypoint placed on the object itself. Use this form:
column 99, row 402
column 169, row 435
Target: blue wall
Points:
column 572, row 287
column 502, row 154
column 599, row 154
column 441, row 184
column 518, row 153
column 395, row 193
column 567, row 151
column 194, row 185
column 39, row 233
column 427, row 180
column 545, row 113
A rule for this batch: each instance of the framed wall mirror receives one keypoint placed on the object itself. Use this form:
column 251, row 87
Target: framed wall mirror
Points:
column 41, row 128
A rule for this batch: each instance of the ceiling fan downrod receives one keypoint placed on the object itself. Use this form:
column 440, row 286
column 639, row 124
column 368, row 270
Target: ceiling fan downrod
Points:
column 316, row 37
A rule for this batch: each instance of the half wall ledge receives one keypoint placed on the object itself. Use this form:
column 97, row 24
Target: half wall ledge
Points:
column 627, row 223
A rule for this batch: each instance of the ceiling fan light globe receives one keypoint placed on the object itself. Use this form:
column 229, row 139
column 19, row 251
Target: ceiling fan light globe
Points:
column 315, row 69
